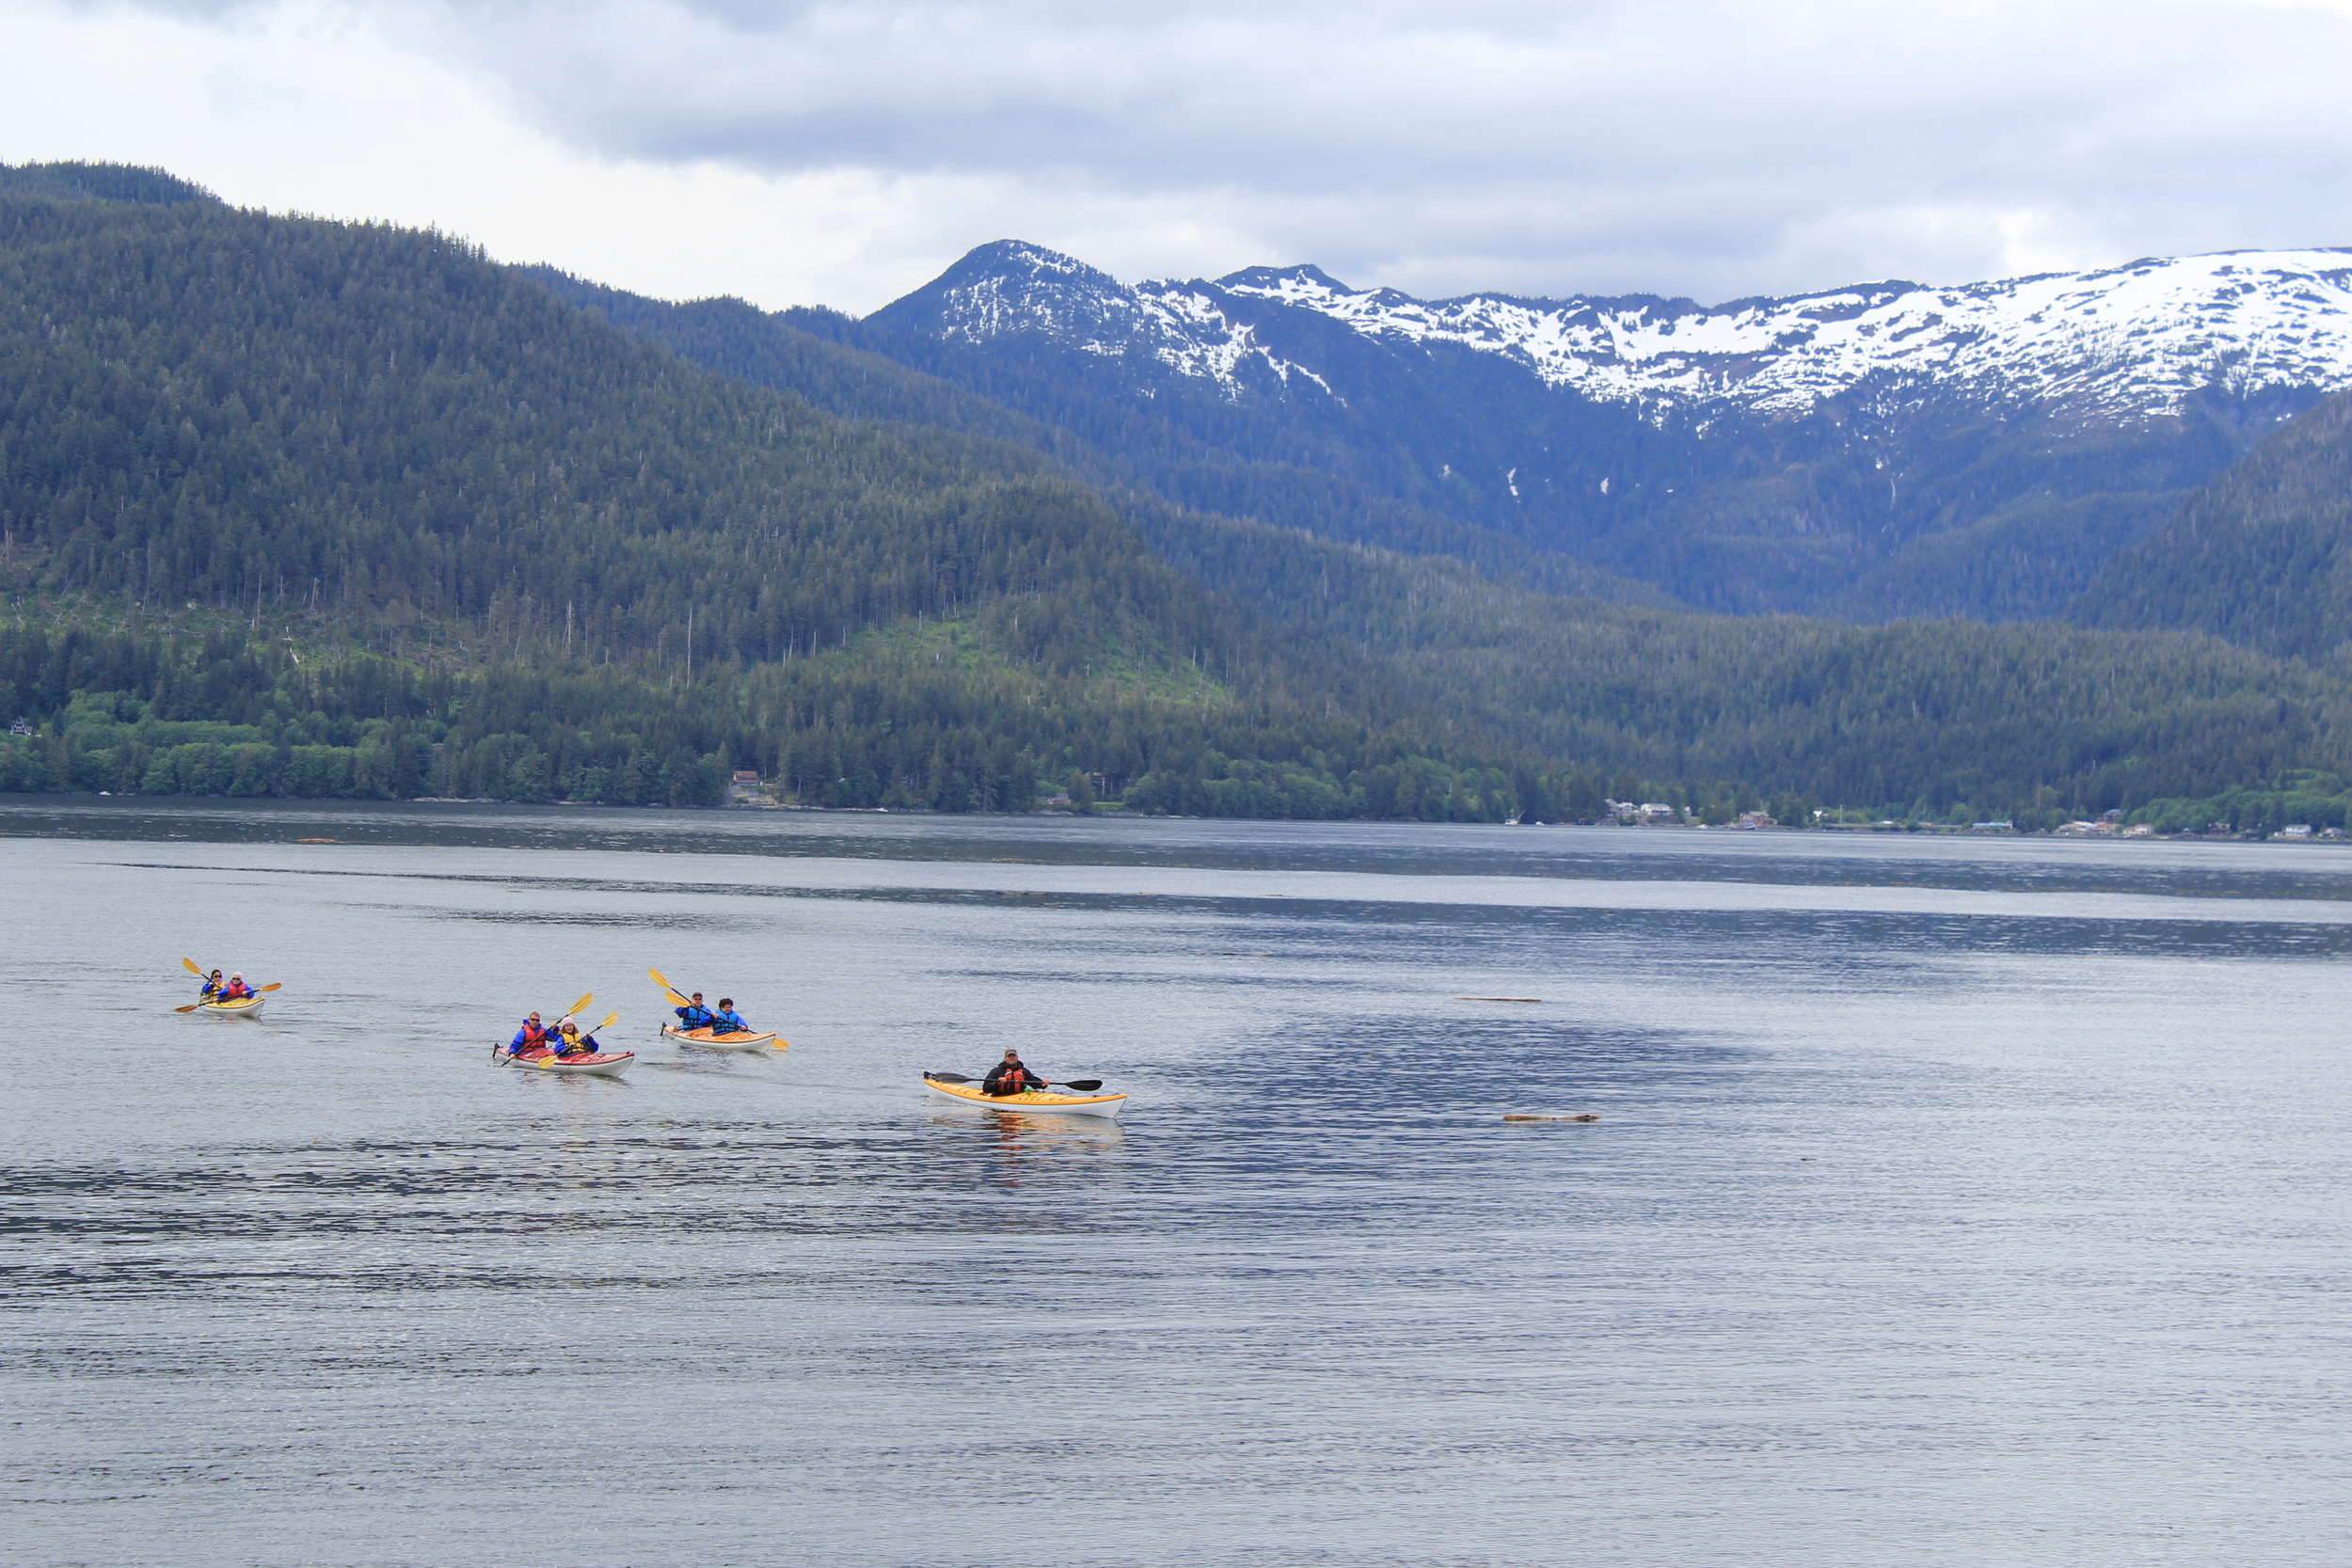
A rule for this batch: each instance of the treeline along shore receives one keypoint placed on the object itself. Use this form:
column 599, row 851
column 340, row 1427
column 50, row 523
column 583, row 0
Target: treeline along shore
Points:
column 235, row 714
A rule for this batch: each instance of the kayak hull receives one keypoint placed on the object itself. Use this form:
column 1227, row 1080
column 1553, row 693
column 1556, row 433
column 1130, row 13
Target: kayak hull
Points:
column 1034, row 1102
column 599, row 1065
column 244, row 1006
column 709, row 1041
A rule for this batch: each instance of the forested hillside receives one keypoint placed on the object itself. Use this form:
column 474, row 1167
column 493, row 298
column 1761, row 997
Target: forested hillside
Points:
column 1136, row 451
column 296, row 507
column 2261, row 556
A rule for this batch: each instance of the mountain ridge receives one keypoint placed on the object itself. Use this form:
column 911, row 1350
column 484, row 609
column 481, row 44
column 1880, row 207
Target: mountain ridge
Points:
column 2115, row 333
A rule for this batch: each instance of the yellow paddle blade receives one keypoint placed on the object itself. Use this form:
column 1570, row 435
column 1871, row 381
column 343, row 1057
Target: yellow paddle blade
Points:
column 678, row 1001
column 610, row 1019
column 573, row 1011
column 782, row 1045
column 272, row 986
column 189, row 1009
column 661, row 979
column 189, row 964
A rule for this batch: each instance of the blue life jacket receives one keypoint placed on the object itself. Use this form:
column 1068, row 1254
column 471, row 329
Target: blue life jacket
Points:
column 729, row 1022
column 692, row 1018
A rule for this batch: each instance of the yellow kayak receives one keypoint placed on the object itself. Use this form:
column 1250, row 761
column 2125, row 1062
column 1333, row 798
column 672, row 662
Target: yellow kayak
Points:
column 1045, row 1100
column 754, row 1040
column 243, row 1006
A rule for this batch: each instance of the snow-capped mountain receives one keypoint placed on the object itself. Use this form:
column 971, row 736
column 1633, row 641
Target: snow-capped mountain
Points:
column 2124, row 342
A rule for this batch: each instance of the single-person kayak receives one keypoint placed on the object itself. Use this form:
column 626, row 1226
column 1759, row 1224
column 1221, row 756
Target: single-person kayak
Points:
column 243, row 1006
column 600, row 1064
column 1044, row 1100
column 724, row 1042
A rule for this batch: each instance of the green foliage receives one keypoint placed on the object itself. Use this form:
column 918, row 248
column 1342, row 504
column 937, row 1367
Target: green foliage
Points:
column 2311, row 796
column 376, row 430
column 2261, row 556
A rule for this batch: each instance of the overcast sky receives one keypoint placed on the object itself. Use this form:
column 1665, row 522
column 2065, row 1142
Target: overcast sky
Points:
column 841, row 155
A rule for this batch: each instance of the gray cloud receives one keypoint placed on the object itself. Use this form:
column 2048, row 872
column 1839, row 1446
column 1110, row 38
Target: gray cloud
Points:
column 1708, row 147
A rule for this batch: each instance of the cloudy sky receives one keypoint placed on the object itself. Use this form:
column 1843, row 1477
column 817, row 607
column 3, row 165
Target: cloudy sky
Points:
column 799, row 153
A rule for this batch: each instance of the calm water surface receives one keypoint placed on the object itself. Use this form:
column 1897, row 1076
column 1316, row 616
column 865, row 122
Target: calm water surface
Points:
column 1968, row 1203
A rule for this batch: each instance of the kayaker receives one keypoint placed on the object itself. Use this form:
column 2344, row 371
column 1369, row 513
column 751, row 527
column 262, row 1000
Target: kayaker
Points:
column 694, row 1015
column 574, row 1043
column 1009, row 1077
column 211, row 987
column 236, row 990
column 532, row 1035
column 727, row 1020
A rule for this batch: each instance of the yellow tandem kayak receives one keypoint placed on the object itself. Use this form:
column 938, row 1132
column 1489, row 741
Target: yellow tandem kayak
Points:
column 243, row 1006
column 753, row 1040
column 1045, row 1100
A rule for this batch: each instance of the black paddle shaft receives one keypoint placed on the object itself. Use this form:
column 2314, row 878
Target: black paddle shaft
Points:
column 1085, row 1085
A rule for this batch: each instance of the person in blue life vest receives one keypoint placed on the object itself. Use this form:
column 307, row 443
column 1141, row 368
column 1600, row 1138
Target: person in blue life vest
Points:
column 1009, row 1077
column 693, row 1015
column 727, row 1020
column 212, row 983
column 574, row 1043
column 532, row 1035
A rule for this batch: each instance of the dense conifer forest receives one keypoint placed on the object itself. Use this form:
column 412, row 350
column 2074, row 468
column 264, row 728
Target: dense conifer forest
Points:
column 290, row 507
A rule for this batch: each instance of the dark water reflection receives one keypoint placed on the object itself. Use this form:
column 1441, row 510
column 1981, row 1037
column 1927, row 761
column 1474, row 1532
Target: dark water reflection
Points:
column 1958, row 1202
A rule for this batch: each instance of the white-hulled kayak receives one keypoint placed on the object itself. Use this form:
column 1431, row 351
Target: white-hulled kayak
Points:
column 598, row 1064
column 1044, row 1100
column 723, row 1042
column 243, row 1006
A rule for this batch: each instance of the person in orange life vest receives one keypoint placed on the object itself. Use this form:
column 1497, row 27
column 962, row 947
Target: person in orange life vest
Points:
column 532, row 1035
column 574, row 1043
column 212, row 988
column 235, row 990
column 727, row 1020
column 1009, row 1077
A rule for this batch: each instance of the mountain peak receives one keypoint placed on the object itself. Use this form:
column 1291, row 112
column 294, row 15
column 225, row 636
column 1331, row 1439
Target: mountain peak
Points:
column 1303, row 280
column 1018, row 259
column 1006, row 287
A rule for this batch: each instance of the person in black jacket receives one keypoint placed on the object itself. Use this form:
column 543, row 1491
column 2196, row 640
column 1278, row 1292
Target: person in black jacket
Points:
column 1009, row 1077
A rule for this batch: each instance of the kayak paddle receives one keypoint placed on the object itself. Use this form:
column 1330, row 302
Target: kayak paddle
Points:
column 1084, row 1085
column 189, row 964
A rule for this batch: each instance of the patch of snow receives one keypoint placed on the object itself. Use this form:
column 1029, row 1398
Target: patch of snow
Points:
column 2129, row 340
